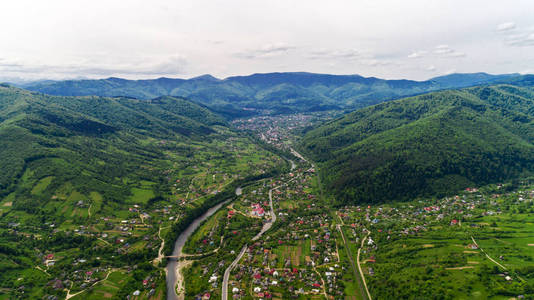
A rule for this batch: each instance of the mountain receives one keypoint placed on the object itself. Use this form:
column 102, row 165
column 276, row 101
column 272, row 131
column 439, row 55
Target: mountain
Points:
column 427, row 145
column 459, row 80
column 90, row 139
column 270, row 92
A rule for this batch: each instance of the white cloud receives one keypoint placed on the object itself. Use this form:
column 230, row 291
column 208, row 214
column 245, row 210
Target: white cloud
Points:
column 446, row 51
column 524, row 39
column 506, row 26
column 265, row 51
column 516, row 37
column 170, row 66
column 431, row 68
column 342, row 54
column 418, row 54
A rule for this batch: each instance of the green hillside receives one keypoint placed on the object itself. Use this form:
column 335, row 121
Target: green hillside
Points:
column 427, row 145
column 104, row 138
column 92, row 180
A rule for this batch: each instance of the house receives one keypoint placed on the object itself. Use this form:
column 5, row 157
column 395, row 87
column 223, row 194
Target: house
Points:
column 137, row 293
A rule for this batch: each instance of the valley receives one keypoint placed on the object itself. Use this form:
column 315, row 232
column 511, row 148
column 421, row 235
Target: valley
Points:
column 267, row 150
column 245, row 209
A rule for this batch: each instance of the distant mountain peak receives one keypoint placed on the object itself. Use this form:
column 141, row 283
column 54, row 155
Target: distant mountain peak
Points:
column 206, row 77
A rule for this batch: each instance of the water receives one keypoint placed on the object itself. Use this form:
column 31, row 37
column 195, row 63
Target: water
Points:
column 172, row 265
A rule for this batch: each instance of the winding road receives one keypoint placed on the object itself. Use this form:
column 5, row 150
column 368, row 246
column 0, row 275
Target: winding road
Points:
column 264, row 229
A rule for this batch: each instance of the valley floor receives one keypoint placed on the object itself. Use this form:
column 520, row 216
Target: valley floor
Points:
column 280, row 238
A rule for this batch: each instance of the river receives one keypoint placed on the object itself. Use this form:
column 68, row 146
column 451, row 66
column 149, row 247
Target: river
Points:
column 172, row 265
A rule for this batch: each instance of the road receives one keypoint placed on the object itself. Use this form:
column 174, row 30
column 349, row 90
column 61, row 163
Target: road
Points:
column 264, row 229
column 360, row 267
column 227, row 272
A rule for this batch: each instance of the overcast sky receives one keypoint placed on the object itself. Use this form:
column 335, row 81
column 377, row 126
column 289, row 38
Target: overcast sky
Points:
column 420, row 39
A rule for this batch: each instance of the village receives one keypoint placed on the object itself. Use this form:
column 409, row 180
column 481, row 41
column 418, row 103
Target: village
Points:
column 457, row 241
column 279, row 130
column 117, row 242
column 298, row 256
column 463, row 243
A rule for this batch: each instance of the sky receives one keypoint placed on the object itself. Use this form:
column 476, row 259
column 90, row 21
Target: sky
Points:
column 412, row 39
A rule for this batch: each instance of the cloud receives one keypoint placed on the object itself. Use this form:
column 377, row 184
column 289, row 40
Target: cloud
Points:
column 446, row 51
column 507, row 26
column 417, row 54
column 516, row 37
column 172, row 65
column 524, row 39
column 431, row 68
column 342, row 56
column 335, row 54
column 440, row 51
column 265, row 51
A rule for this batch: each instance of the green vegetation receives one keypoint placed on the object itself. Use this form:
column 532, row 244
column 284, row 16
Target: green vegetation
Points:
column 433, row 144
column 475, row 245
column 88, row 182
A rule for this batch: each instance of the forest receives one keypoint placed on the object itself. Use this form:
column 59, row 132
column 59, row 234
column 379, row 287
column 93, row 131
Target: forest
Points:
column 428, row 145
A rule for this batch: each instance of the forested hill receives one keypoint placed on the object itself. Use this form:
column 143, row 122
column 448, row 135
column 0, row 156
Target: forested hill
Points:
column 269, row 92
column 432, row 144
column 91, row 142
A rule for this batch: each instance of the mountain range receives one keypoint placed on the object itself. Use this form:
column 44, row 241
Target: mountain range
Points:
column 272, row 93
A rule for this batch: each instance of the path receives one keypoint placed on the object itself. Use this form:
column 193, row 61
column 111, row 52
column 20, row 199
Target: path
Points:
column 39, row 268
column 322, row 280
column 103, row 240
column 494, row 261
column 69, row 295
column 360, row 268
column 353, row 266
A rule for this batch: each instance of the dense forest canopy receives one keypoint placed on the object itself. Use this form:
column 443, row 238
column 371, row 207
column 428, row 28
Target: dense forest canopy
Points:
column 427, row 145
